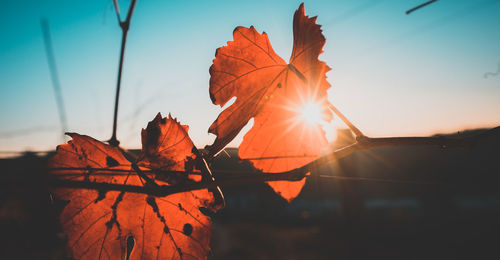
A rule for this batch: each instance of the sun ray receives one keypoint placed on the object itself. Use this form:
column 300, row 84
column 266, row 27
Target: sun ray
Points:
column 310, row 113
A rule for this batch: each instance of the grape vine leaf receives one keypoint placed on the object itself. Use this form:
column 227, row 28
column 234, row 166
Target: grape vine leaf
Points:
column 100, row 225
column 166, row 145
column 271, row 91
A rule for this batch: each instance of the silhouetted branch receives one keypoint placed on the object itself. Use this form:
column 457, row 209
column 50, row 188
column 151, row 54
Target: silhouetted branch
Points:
column 117, row 10
column 47, row 39
column 420, row 6
column 297, row 174
column 496, row 73
column 124, row 25
column 353, row 128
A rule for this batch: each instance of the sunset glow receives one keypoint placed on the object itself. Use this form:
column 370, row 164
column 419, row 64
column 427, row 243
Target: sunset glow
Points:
column 392, row 74
column 310, row 113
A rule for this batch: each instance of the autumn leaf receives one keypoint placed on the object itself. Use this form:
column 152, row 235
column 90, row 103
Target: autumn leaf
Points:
column 166, row 145
column 273, row 93
column 103, row 225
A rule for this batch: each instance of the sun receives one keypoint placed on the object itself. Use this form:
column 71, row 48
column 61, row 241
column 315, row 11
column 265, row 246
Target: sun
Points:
column 310, row 113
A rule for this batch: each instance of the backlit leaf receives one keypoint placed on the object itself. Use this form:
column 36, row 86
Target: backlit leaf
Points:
column 272, row 92
column 100, row 225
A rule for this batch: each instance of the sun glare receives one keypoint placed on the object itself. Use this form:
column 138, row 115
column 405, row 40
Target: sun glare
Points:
column 310, row 113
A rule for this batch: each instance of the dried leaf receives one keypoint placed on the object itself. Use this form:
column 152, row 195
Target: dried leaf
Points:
column 166, row 145
column 99, row 225
column 271, row 91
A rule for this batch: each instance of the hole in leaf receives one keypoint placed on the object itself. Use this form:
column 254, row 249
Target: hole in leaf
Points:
column 130, row 246
column 111, row 162
column 187, row 229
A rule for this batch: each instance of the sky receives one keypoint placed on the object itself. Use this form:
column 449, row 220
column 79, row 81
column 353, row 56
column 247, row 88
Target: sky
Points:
column 392, row 74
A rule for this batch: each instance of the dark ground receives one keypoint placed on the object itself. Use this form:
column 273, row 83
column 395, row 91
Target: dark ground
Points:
column 448, row 208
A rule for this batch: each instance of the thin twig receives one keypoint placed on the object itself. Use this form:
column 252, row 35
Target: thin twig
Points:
column 143, row 176
column 492, row 74
column 117, row 10
column 47, row 39
column 207, row 176
column 353, row 128
column 124, row 25
column 420, row 6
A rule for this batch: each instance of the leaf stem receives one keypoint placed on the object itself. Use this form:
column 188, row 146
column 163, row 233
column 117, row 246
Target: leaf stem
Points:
column 351, row 126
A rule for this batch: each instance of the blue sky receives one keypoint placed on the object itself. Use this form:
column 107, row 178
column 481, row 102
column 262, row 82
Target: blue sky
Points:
column 393, row 74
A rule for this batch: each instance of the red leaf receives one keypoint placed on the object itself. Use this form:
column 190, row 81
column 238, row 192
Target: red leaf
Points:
column 170, row 153
column 98, row 225
column 272, row 92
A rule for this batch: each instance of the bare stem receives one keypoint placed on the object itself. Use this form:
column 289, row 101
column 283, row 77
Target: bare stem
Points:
column 420, row 6
column 54, row 76
column 353, row 128
column 124, row 25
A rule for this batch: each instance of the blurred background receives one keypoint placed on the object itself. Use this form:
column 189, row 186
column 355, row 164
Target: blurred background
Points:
column 405, row 202
column 433, row 71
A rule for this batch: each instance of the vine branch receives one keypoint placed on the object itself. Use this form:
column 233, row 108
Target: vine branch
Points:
column 353, row 128
column 124, row 25
column 297, row 174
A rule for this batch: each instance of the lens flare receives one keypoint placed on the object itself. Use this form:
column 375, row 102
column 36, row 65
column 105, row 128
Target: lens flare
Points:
column 310, row 113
